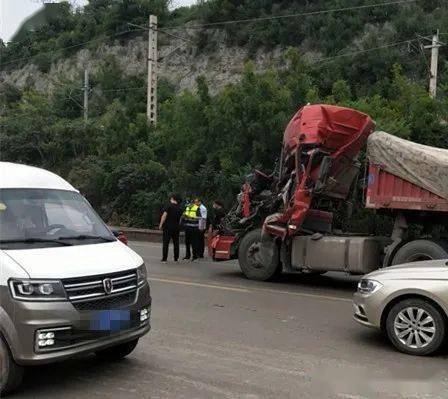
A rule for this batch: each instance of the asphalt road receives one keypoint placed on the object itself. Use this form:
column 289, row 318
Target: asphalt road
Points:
column 218, row 335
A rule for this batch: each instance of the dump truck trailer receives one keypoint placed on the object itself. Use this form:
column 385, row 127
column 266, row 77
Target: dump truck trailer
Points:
column 284, row 221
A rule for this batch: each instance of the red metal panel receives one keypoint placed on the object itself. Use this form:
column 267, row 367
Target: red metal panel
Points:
column 385, row 190
column 336, row 131
column 219, row 246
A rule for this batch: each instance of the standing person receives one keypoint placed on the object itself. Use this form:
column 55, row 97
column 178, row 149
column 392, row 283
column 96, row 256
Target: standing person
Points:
column 170, row 224
column 218, row 215
column 191, row 224
column 202, row 226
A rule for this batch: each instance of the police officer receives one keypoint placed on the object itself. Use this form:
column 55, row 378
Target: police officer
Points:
column 202, row 226
column 191, row 225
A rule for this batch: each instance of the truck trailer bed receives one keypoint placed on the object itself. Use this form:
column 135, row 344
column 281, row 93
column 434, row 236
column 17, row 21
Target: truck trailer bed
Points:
column 386, row 190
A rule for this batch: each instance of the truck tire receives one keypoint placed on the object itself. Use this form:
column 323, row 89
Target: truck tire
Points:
column 117, row 352
column 11, row 373
column 416, row 327
column 259, row 261
column 419, row 250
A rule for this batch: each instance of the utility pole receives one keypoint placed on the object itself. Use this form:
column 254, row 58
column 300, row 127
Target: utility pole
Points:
column 151, row 110
column 86, row 95
column 434, row 46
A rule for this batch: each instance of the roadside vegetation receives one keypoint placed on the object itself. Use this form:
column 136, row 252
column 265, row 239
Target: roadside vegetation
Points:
column 203, row 144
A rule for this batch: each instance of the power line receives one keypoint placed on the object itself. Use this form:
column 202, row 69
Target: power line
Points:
column 160, row 59
column 69, row 97
column 123, row 89
column 419, row 47
column 322, row 60
column 175, row 36
column 365, row 50
column 69, row 47
column 33, row 114
column 260, row 19
column 68, row 87
column 295, row 15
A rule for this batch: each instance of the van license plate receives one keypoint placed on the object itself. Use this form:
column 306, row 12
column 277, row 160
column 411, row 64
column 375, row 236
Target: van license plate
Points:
column 110, row 320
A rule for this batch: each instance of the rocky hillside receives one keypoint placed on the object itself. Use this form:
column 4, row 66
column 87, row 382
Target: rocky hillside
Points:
column 219, row 52
column 181, row 63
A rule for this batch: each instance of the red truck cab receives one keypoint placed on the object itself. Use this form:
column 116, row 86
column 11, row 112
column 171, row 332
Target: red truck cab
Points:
column 279, row 223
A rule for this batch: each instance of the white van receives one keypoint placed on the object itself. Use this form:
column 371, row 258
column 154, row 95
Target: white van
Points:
column 67, row 285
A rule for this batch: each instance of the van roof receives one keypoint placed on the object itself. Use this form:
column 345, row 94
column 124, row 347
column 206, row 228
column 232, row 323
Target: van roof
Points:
column 14, row 175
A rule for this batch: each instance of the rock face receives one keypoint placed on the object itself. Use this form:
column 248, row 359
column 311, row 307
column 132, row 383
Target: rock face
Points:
column 179, row 62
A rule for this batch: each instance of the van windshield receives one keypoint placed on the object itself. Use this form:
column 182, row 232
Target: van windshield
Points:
column 39, row 218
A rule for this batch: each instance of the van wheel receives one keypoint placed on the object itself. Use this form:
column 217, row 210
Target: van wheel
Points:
column 419, row 250
column 416, row 327
column 259, row 261
column 117, row 352
column 11, row 373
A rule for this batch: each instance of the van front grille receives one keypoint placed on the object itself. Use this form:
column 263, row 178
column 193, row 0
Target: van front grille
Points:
column 109, row 302
column 108, row 291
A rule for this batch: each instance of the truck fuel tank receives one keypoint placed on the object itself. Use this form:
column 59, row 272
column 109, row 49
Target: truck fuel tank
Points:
column 352, row 254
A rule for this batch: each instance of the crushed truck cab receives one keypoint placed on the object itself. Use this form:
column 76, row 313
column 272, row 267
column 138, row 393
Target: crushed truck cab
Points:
column 281, row 222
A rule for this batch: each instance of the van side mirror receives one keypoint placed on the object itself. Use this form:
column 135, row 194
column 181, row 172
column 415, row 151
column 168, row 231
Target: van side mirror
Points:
column 120, row 236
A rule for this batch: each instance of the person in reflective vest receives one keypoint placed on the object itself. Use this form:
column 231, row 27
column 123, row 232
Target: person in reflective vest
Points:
column 191, row 225
column 202, row 226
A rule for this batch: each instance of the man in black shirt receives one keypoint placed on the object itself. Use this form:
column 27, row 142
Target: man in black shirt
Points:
column 218, row 214
column 170, row 224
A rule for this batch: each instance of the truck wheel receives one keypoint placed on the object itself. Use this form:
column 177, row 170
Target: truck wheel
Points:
column 419, row 250
column 259, row 261
column 416, row 327
column 117, row 352
column 11, row 373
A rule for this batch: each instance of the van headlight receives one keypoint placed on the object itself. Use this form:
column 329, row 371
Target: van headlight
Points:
column 367, row 286
column 142, row 275
column 37, row 290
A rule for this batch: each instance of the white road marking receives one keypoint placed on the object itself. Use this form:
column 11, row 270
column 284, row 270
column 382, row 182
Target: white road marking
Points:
column 232, row 288
column 194, row 284
column 249, row 290
column 327, row 297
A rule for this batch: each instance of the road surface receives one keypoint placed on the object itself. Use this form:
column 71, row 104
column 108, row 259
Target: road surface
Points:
column 218, row 335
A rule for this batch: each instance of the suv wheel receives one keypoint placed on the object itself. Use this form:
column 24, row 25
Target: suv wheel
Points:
column 10, row 372
column 117, row 352
column 416, row 327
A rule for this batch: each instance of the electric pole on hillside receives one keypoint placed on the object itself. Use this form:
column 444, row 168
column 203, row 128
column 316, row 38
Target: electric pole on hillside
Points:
column 434, row 46
column 86, row 95
column 151, row 110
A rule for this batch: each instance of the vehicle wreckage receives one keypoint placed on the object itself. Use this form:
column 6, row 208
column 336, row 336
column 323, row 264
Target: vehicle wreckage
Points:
column 283, row 221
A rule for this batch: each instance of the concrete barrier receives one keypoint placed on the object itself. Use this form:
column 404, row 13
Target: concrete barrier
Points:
column 134, row 234
column 149, row 235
